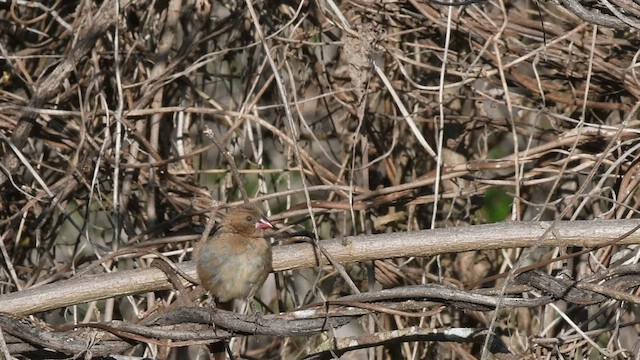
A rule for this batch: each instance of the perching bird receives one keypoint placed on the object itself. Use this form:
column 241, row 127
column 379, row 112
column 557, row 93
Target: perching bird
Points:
column 236, row 260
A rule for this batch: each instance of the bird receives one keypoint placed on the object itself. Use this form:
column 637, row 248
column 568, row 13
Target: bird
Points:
column 235, row 261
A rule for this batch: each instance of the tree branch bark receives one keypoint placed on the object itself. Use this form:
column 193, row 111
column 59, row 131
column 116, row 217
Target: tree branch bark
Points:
column 586, row 234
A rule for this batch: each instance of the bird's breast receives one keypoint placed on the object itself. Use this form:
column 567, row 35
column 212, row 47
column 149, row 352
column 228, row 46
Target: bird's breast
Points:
column 234, row 268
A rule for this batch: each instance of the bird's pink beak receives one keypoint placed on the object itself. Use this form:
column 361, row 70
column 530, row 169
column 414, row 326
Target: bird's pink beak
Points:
column 263, row 224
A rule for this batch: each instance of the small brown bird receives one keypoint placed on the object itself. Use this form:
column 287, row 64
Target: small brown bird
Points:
column 236, row 260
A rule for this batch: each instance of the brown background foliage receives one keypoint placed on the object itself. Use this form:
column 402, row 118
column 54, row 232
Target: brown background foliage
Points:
column 124, row 125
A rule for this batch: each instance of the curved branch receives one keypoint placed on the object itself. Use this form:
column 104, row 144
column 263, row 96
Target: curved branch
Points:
column 593, row 17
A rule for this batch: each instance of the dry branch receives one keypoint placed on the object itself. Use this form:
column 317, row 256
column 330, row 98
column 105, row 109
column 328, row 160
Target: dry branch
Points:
column 91, row 29
column 414, row 115
column 190, row 325
column 350, row 249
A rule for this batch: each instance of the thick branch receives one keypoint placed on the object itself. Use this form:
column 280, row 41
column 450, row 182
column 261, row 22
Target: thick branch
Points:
column 351, row 249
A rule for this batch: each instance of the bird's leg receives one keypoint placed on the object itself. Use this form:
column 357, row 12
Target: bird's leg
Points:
column 218, row 350
column 252, row 304
column 213, row 308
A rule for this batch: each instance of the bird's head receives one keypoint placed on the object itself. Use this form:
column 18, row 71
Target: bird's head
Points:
column 247, row 220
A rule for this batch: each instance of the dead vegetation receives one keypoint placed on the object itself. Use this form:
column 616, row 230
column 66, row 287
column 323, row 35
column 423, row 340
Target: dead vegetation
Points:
column 122, row 125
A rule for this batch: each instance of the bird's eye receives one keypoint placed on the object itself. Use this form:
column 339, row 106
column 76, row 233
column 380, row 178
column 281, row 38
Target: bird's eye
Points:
column 250, row 218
